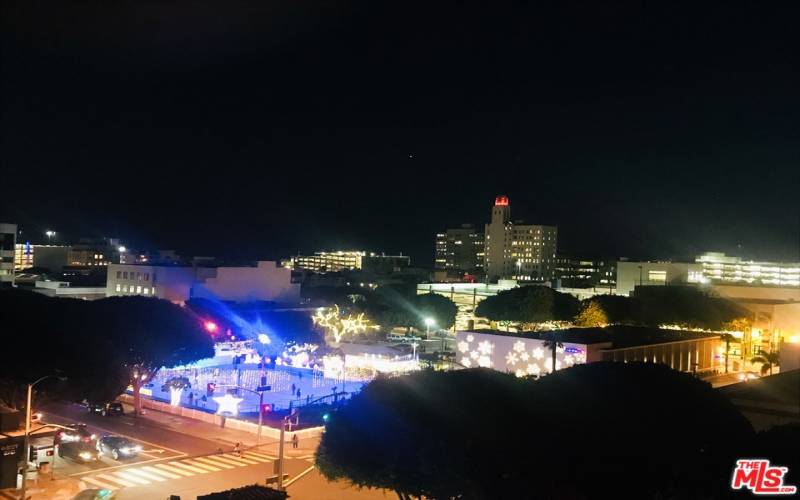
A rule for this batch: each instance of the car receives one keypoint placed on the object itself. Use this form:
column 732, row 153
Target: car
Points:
column 745, row 376
column 117, row 447
column 106, row 409
column 73, row 433
column 79, row 451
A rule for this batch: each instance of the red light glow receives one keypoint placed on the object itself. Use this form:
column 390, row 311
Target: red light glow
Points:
column 211, row 327
column 501, row 201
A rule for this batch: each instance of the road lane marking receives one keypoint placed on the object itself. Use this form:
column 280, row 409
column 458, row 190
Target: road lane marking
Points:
column 225, row 460
column 198, row 461
column 295, row 478
column 238, row 459
column 99, row 483
column 216, row 462
column 130, row 477
column 115, row 479
column 107, row 431
column 194, row 467
column 253, row 456
column 146, row 475
column 260, row 454
column 176, row 470
column 114, row 467
column 162, row 472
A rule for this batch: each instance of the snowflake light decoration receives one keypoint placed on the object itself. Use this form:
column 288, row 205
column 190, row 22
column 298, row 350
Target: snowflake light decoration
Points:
column 524, row 356
column 470, row 338
column 511, row 358
column 519, row 346
column 463, row 346
column 533, row 369
column 485, row 362
column 475, row 355
column 538, row 353
column 485, row 347
column 466, row 361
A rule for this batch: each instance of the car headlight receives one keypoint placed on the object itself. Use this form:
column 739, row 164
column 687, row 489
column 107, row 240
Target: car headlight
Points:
column 137, row 448
column 125, row 450
column 94, row 436
column 85, row 455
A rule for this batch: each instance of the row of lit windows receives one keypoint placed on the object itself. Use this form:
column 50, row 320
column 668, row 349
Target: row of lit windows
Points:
column 136, row 289
column 125, row 275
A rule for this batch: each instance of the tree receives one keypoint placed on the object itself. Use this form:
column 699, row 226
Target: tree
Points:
column 148, row 334
column 591, row 315
column 175, row 387
column 553, row 343
column 438, row 307
column 768, row 360
column 528, row 305
column 564, row 435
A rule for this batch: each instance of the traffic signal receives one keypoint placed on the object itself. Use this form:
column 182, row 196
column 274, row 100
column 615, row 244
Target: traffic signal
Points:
column 210, row 389
column 266, row 408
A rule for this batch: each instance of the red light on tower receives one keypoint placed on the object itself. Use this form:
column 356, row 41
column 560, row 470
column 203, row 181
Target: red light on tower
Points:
column 501, row 201
column 211, row 327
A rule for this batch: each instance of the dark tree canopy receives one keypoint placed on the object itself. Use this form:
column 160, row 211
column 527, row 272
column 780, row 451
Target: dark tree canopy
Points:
column 563, row 436
column 92, row 343
column 529, row 304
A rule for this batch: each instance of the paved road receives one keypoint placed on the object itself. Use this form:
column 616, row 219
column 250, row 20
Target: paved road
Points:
column 172, row 462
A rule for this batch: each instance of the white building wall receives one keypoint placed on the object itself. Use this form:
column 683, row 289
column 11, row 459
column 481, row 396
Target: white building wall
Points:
column 8, row 240
column 266, row 282
column 629, row 274
column 518, row 355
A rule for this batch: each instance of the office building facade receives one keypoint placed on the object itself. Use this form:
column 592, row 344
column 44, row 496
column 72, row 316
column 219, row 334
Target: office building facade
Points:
column 721, row 268
column 519, row 251
column 330, row 262
column 460, row 249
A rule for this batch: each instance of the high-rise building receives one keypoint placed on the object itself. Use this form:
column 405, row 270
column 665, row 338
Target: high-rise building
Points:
column 519, row 251
column 585, row 273
column 8, row 241
column 460, row 249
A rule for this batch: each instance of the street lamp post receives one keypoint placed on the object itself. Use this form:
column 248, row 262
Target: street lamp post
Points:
column 27, row 450
column 429, row 322
column 280, row 455
column 50, row 235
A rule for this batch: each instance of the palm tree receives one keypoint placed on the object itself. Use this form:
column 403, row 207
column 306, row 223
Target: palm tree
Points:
column 552, row 342
column 769, row 359
column 727, row 337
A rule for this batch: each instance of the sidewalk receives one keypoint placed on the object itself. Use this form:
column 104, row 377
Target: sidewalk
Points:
column 46, row 489
column 227, row 437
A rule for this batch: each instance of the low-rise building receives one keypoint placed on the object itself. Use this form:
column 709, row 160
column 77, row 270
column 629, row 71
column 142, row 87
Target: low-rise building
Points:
column 528, row 353
column 571, row 272
column 51, row 257
column 8, row 241
column 331, row 262
column 263, row 282
column 631, row 274
column 64, row 289
column 721, row 268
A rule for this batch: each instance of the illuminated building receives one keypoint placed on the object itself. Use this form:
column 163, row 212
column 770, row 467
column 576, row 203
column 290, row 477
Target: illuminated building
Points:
column 528, row 354
column 92, row 252
column 51, row 257
column 518, row 251
column 264, row 282
column 8, row 241
column 631, row 274
column 460, row 249
column 326, row 262
column 582, row 273
column 718, row 267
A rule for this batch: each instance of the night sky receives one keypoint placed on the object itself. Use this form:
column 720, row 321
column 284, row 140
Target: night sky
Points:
column 261, row 129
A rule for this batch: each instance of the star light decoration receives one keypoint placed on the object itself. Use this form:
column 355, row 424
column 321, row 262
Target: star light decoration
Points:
column 228, row 404
column 331, row 319
column 537, row 361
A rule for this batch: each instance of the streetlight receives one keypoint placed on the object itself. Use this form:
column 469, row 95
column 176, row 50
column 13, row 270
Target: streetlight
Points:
column 429, row 322
column 27, row 450
column 519, row 269
column 50, row 235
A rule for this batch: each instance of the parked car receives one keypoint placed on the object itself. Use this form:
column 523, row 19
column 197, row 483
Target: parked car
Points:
column 78, row 451
column 106, row 409
column 745, row 376
column 117, row 447
column 74, row 433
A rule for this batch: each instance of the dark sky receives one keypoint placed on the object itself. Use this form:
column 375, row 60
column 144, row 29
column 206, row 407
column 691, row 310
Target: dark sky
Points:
column 259, row 129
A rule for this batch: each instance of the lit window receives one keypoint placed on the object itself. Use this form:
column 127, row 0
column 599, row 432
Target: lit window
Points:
column 146, row 290
column 138, row 289
column 660, row 276
column 119, row 287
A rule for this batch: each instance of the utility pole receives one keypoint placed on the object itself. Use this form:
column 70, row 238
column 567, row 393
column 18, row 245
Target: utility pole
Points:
column 280, row 456
column 27, row 451
column 260, row 416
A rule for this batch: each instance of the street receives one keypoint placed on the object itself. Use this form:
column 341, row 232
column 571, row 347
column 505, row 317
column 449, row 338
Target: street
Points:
column 189, row 458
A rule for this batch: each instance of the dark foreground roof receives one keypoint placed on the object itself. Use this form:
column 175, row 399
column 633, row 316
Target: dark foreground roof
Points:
column 619, row 336
column 781, row 388
column 252, row 492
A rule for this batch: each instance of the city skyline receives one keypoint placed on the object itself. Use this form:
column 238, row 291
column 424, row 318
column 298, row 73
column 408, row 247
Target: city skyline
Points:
column 261, row 134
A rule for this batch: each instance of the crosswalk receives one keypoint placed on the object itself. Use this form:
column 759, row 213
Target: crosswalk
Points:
column 176, row 469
